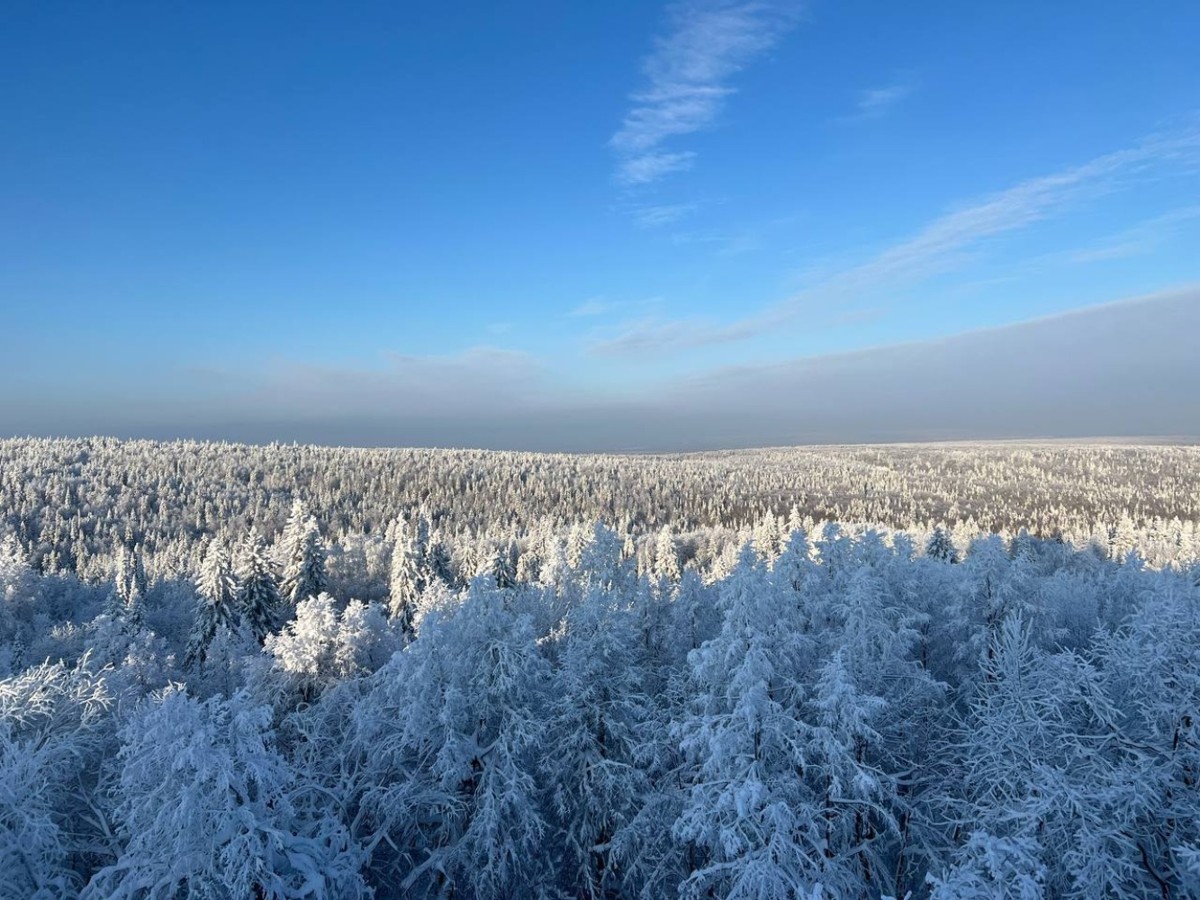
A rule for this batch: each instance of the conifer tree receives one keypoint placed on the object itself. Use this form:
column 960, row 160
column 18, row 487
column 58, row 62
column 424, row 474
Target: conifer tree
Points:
column 750, row 816
column 666, row 557
column 302, row 556
column 499, row 567
column 217, row 602
column 407, row 578
column 438, row 563
column 127, row 602
column 940, row 546
column 258, row 591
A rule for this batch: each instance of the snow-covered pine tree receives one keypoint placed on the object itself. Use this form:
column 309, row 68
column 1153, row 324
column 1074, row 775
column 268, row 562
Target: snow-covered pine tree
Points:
column 940, row 545
column 529, row 565
column 596, row 715
column 216, row 601
column 438, row 562
column 751, row 818
column 127, row 602
column 1031, row 774
column 407, row 579
column 450, row 736
column 500, row 567
column 302, row 557
column 666, row 557
column 258, row 591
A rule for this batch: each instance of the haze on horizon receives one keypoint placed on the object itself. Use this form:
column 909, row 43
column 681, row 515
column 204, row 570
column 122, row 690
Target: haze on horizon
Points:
column 600, row 227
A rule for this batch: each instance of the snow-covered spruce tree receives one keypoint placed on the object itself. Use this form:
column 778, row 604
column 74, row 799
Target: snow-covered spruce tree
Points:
column 409, row 571
column 18, row 604
column 258, row 591
column 577, row 540
column 752, row 819
column 439, row 562
column 205, row 805
column 1032, row 772
column 875, row 706
column 302, row 557
column 16, row 575
column 499, row 566
column 601, row 563
column 290, row 537
column 529, row 566
column 940, row 545
column 449, row 738
column 595, row 716
column 694, row 617
column 795, row 562
column 856, row 795
column 1151, row 674
column 127, row 602
column 216, row 602
column 666, row 557
column 993, row 588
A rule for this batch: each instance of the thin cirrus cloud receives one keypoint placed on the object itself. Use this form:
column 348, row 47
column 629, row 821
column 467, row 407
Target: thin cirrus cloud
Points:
column 876, row 102
column 940, row 247
column 656, row 216
column 593, row 306
column 1141, row 238
column 687, row 80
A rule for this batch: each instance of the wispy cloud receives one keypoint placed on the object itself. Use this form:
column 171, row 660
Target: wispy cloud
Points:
column 593, row 306
column 650, row 335
column 687, row 79
column 1141, row 238
column 663, row 214
column 600, row 306
column 943, row 245
column 648, row 167
column 876, row 102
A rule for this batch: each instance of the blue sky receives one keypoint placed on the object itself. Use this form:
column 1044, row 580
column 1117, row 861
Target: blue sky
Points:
column 398, row 223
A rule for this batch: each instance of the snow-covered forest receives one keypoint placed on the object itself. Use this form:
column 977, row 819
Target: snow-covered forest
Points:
column 946, row 671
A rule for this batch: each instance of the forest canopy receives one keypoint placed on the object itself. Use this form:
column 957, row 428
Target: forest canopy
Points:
column 284, row 671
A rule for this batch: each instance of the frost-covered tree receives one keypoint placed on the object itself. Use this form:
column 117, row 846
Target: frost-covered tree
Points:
column 1031, row 761
column 666, row 557
column 595, row 717
column 409, row 574
column 217, row 604
column 750, row 815
column 127, row 603
column 55, row 730
column 940, row 546
column 205, row 804
column 258, row 591
column 1150, row 670
column 499, row 566
column 322, row 646
column 18, row 604
column 302, row 557
column 450, row 736
column 439, row 563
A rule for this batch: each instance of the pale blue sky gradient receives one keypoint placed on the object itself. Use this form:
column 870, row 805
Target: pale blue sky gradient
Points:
column 406, row 223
